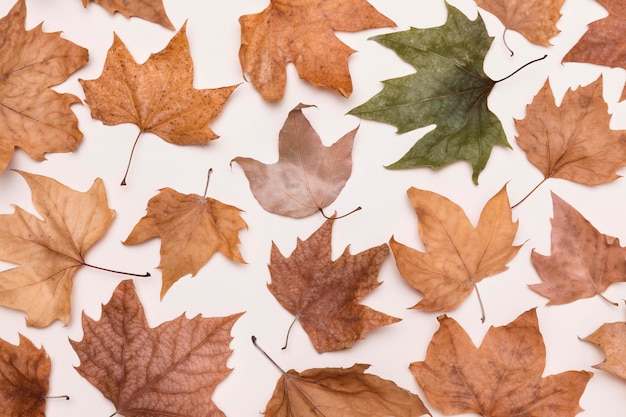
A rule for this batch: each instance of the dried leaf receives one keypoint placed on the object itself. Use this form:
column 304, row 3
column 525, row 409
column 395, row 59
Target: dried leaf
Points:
column 24, row 379
column 583, row 263
column 158, row 95
column 34, row 117
column 503, row 377
column 611, row 338
column 303, row 33
column 171, row 369
column 192, row 228
column 308, row 175
column 324, row 294
column 150, row 10
column 458, row 255
column 49, row 251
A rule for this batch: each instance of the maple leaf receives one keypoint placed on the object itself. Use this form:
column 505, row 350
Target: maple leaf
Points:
column 150, row 10
column 324, row 294
column 572, row 141
column 611, row 338
column 308, row 175
column 583, row 263
column 458, row 255
column 303, row 33
column 450, row 88
column 171, row 369
column 192, row 228
column 503, row 377
column 34, row 117
column 158, row 95
column 603, row 43
column 24, row 379
column 48, row 252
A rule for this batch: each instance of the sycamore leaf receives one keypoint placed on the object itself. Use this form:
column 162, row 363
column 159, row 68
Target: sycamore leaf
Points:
column 308, row 175
column 303, row 33
column 583, row 261
column 34, row 117
column 603, row 43
column 170, row 370
column 450, row 88
column 158, row 95
column 150, row 10
column 192, row 228
column 458, row 255
column 611, row 338
column 324, row 294
column 24, row 379
column 503, row 377
column 48, row 252
column 534, row 19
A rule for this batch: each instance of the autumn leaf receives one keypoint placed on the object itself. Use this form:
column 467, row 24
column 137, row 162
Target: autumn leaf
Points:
column 458, row 255
column 150, row 10
column 603, row 43
column 324, row 294
column 308, row 175
column 158, row 95
column 192, row 228
column 34, row 117
column 48, row 252
column 611, row 338
column 450, row 89
column 583, row 261
column 24, row 379
column 303, row 33
column 503, row 377
column 171, row 369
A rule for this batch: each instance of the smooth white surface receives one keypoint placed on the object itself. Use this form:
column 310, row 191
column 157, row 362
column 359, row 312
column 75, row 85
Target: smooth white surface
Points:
column 248, row 126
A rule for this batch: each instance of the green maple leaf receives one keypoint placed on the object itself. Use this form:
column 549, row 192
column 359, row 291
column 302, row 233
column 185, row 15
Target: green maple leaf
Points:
column 449, row 89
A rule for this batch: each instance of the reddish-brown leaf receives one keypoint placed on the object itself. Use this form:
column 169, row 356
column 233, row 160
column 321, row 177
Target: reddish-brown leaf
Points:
column 611, row 338
column 503, row 377
column 324, row 294
column 169, row 370
column 150, row 10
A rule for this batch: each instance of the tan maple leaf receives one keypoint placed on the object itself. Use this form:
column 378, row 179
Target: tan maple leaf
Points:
column 171, row 369
column 458, row 255
column 48, row 252
column 158, row 95
column 503, row 377
column 34, row 117
column 150, row 10
column 24, row 379
column 583, row 261
column 603, row 43
column 324, row 294
column 192, row 228
column 303, row 33
column 308, row 175
column 611, row 338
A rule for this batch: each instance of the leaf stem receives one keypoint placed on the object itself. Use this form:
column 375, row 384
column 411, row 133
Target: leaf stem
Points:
column 208, row 177
column 607, row 300
column 65, row 397
column 289, row 331
column 480, row 302
column 130, row 158
column 506, row 44
column 529, row 193
column 521, row 68
column 266, row 355
column 321, row 210
column 147, row 274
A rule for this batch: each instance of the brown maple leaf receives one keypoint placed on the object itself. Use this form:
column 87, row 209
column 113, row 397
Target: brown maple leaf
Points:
column 158, row 95
column 170, row 370
column 458, row 255
column 24, row 379
column 604, row 42
column 583, row 263
column 303, row 33
column 150, row 10
column 34, row 117
column 611, row 338
column 308, row 175
column 503, row 377
column 192, row 228
column 324, row 294
column 48, row 252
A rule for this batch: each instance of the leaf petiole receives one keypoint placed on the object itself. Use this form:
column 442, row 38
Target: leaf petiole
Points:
column 130, row 158
column 64, row 397
column 266, row 355
column 321, row 210
column 132, row 274
column 521, row 68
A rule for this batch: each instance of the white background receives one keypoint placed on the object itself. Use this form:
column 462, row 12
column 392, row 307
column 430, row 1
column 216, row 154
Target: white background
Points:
column 248, row 126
